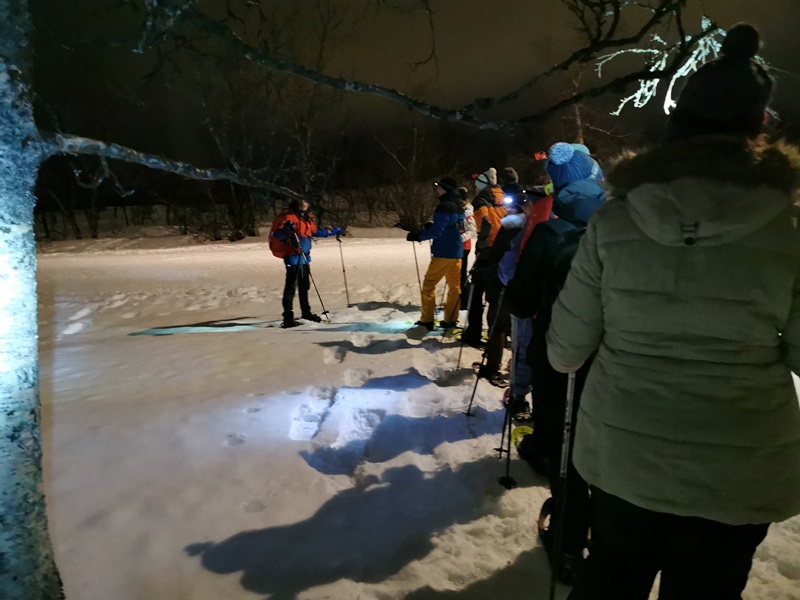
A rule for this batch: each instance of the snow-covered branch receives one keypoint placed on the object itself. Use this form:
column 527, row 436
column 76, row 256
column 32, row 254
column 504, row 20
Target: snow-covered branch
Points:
column 58, row 143
column 704, row 46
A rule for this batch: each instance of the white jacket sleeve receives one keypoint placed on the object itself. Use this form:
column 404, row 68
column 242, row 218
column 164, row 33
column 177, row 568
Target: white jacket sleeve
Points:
column 470, row 229
column 576, row 328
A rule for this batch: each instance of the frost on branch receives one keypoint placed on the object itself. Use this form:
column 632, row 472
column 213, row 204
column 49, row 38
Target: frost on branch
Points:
column 658, row 58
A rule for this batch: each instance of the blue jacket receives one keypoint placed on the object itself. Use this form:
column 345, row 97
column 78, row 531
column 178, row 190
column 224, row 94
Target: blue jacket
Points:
column 445, row 232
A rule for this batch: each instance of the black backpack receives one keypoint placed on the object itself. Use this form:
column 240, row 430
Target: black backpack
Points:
column 558, row 261
column 540, row 275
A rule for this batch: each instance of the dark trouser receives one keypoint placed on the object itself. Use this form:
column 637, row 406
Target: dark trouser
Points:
column 699, row 559
column 297, row 277
column 475, row 314
column 499, row 326
column 549, row 391
column 464, row 282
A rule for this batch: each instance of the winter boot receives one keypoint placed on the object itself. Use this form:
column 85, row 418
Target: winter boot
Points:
column 309, row 316
column 448, row 324
column 426, row 324
column 473, row 341
column 519, row 408
column 493, row 376
column 569, row 565
column 289, row 320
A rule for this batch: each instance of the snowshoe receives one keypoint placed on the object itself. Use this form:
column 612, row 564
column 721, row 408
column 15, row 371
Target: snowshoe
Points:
column 288, row 323
column 311, row 317
column 429, row 325
column 448, row 324
column 519, row 433
column 518, row 407
column 495, row 378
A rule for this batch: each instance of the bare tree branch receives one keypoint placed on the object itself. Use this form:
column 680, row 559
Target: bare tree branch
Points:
column 58, row 143
column 582, row 56
column 619, row 84
column 432, row 56
column 286, row 65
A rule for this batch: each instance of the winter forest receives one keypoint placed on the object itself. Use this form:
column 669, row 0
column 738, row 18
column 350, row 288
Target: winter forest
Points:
column 176, row 176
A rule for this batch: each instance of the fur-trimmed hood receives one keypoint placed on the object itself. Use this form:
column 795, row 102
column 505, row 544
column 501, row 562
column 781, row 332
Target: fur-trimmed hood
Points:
column 705, row 190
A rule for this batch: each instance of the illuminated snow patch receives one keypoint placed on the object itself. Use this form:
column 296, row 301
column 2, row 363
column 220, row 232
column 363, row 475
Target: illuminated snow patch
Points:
column 307, row 419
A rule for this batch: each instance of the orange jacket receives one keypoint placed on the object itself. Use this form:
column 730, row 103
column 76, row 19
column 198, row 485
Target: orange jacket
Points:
column 489, row 211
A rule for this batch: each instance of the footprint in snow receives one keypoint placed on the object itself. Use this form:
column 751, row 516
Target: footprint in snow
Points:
column 73, row 328
column 331, row 356
column 84, row 312
column 307, row 419
column 254, row 506
column 360, row 339
column 235, row 439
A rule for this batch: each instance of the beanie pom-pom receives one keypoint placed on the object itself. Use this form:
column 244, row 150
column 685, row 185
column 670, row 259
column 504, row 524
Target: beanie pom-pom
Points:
column 561, row 153
column 742, row 41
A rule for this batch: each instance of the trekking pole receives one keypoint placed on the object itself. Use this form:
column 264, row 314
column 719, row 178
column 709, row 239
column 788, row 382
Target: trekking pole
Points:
column 469, row 306
column 316, row 289
column 416, row 264
column 483, row 357
column 507, row 481
column 344, row 273
column 561, row 509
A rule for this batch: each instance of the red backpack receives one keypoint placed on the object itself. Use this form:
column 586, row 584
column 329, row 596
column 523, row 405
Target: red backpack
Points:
column 278, row 247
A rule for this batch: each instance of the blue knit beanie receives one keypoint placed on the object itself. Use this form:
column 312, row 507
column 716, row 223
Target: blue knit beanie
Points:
column 565, row 164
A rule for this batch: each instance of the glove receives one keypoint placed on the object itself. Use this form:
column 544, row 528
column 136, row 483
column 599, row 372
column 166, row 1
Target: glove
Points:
column 412, row 237
column 428, row 225
column 336, row 231
column 288, row 226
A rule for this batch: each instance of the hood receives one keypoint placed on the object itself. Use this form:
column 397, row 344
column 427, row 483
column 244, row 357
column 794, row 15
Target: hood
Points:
column 706, row 190
column 516, row 221
column 577, row 202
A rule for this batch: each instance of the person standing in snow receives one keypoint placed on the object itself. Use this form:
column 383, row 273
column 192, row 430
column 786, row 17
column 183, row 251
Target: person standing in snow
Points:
column 468, row 234
column 538, row 277
column 294, row 231
column 537, row 209
column 486, row 271
column 489, row 209
column 686, row 289
column 447, row 250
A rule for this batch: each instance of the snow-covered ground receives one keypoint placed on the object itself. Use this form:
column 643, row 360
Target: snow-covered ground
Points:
column 195, row 450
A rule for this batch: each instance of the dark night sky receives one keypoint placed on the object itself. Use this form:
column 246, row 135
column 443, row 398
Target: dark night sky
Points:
column 484, row 49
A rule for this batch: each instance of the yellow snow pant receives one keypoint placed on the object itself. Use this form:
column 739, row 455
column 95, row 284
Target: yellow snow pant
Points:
column 450, row 269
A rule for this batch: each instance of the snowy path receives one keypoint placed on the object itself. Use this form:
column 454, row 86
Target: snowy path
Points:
column 239, row 460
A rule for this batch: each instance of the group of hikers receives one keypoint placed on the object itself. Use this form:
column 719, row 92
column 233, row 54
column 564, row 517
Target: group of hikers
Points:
column 669, row 286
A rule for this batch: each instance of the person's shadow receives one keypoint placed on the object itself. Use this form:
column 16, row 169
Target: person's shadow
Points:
column 363, row 534
column 397, row 434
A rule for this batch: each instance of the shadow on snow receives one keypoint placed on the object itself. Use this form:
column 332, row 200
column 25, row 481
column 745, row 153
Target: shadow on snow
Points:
column 361, row 534
column 397, row 434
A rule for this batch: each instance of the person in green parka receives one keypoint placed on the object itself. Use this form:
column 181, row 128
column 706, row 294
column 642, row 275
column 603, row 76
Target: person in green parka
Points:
column 686, row 285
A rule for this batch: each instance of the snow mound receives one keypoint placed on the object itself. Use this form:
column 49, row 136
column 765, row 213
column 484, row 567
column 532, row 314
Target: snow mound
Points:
column 357, row 377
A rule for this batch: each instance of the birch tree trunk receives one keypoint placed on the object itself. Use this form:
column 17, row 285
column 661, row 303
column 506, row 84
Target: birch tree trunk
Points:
column 27, row 568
